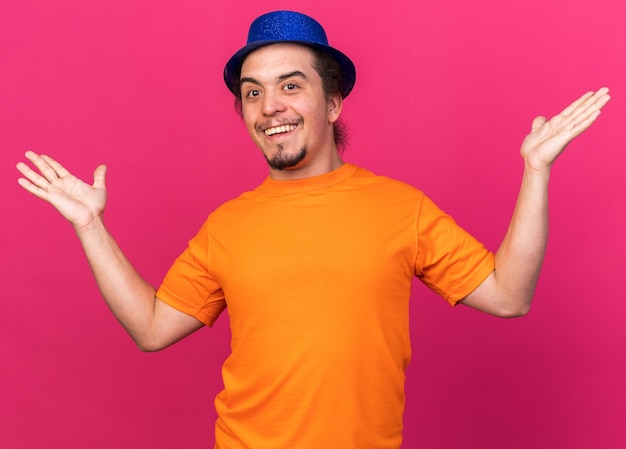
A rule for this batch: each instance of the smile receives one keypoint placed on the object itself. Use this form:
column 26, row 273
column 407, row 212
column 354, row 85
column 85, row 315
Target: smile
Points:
column 279, row 129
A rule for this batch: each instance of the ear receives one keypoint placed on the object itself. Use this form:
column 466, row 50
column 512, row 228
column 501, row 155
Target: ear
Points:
column 335, row 103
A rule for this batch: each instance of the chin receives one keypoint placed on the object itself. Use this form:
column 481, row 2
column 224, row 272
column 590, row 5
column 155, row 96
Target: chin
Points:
column 284, row 161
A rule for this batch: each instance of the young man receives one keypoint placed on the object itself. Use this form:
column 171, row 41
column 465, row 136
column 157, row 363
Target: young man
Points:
column 315, row 265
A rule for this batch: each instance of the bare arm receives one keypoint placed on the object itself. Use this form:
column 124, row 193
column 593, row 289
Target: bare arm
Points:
column 151, row 323
column 508, row 291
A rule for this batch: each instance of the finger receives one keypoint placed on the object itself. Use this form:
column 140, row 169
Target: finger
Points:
column 42, row 165
column 32, row 188
column 99, row 176
column 572, row 107
column 585, row 122
column 593, row 100
column 586, row 117
column 577, row 117
column 597, row 100
column 538, row 122
column 602, row 98
column 32, row 177
column 58, row 168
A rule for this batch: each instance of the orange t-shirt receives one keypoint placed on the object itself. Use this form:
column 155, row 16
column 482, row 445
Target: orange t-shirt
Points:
column 317, row 277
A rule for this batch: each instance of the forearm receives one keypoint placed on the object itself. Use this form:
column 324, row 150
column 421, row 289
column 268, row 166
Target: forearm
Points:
column 150, row 322
column 128, row 295
column 520, row 256
column 509, row 290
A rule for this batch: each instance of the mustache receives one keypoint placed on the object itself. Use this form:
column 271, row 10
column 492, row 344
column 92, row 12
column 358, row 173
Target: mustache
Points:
column 261, row 127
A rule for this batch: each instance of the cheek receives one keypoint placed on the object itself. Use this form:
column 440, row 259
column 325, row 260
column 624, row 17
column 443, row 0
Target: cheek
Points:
column 321, row 117
column 248, row 120
column 247, row 110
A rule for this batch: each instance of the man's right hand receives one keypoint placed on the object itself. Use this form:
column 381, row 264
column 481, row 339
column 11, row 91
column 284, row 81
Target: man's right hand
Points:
column 76, row 200
column 152, row 323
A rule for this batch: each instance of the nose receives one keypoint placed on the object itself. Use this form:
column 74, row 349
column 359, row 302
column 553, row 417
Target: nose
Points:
column 272, row 102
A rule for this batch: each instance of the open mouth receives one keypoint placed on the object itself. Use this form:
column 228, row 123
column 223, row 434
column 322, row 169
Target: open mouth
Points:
column 279, row 129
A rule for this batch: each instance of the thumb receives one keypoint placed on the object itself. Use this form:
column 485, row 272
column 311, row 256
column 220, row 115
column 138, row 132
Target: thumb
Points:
column 99, row 175
column 538, row 123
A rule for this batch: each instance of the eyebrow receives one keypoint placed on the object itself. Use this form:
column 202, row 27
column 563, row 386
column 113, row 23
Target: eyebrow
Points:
column 295, row 73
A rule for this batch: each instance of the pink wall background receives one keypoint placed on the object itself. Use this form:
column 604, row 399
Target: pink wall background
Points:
column 445, row 93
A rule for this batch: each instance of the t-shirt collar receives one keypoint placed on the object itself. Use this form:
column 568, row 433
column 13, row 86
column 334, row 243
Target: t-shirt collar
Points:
column 308, row 184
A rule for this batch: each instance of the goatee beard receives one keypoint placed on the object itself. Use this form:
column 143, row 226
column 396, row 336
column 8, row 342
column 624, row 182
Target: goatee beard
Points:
column 282, row 161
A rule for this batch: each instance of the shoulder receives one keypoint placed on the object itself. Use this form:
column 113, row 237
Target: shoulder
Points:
column 367, row 178
column 244, row 201
column 366, row 174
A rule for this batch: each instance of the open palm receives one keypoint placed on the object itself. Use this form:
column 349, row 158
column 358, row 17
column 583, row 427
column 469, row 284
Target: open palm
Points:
column 548, row 138
column 76, row 200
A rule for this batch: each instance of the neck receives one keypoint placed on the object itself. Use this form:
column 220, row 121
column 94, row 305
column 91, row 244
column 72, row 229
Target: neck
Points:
column 309, row 168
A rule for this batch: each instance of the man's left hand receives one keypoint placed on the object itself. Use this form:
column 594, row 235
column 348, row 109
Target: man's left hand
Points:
column 548, row 138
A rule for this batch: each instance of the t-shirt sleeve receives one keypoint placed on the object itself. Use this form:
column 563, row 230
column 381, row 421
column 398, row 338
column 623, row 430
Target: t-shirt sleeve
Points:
column 449, row 261
column 189, row 286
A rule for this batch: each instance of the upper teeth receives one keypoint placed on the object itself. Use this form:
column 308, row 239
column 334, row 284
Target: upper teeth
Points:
column 279, row 129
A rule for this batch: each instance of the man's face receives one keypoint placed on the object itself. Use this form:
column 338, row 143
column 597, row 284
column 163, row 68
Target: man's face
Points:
column 287, row 113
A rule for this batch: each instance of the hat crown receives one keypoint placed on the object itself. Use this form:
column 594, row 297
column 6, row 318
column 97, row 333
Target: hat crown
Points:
column 286, row 26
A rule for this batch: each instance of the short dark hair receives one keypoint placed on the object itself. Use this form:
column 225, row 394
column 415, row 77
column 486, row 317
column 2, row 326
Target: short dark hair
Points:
column 331, row 74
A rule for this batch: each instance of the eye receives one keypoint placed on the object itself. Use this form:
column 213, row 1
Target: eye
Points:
column 291, row 86
column 253, row 93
